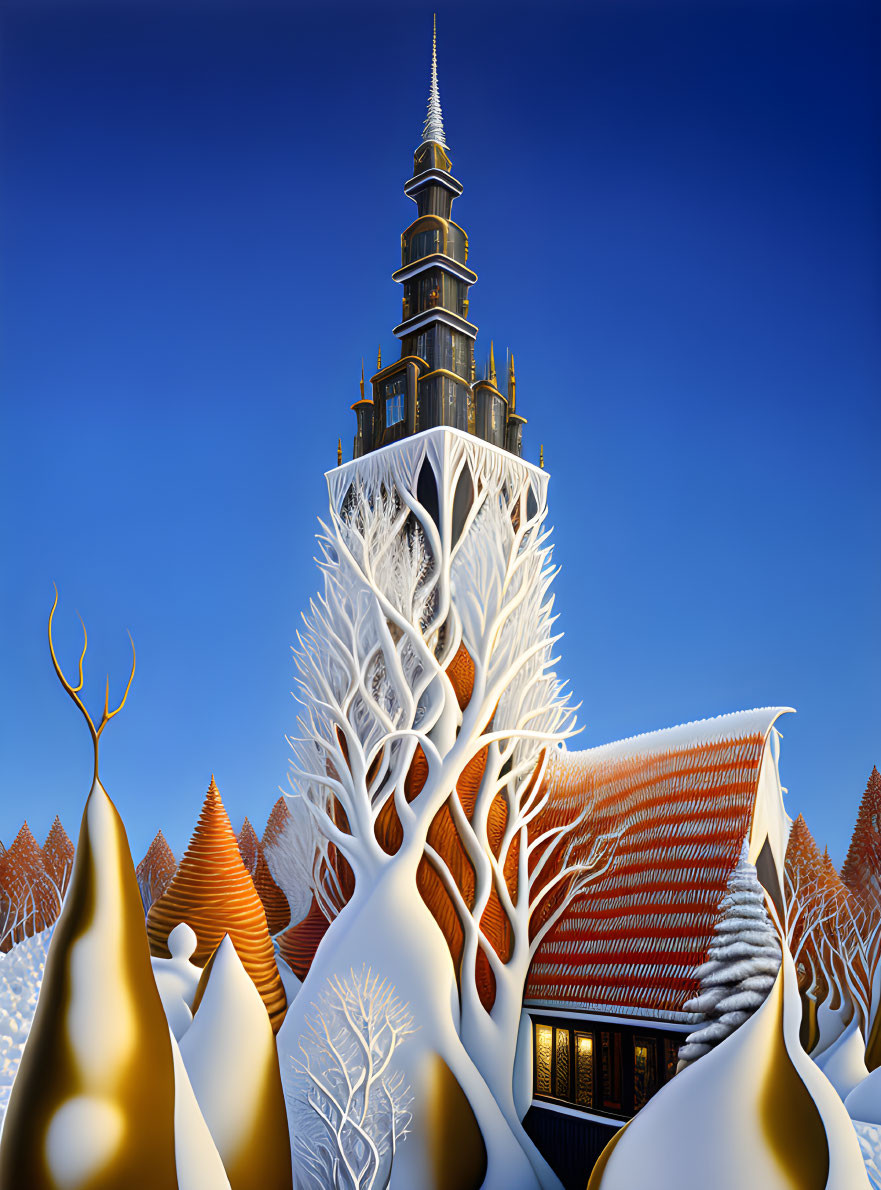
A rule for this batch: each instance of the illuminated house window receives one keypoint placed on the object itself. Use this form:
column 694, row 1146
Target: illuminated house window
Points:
column 584, row 1069
column 671, row 1056
column 645, row 1080
column 561, row 1073
column 608, row 1071
column 544, row 1040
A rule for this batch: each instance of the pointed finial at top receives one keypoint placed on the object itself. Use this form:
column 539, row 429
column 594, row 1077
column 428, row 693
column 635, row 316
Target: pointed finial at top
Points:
column 541, row 456
column 339, row 452
column 379, row 358
column 512, row 384
column 434, row 121
column 362, row 379
column 492, row 364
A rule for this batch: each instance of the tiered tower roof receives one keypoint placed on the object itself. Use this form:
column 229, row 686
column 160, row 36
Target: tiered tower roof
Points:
column 434, row 382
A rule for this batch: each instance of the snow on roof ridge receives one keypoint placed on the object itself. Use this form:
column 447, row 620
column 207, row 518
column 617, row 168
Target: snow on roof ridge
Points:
column 758, row 719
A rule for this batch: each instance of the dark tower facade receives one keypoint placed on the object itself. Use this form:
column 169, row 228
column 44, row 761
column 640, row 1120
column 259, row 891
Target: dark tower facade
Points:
column 433, row 382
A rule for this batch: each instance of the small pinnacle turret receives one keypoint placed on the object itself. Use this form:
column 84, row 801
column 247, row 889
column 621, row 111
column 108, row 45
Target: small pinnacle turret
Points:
column 433, row 383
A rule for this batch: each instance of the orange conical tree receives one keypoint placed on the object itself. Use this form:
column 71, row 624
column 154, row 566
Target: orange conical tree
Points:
column 275, row 903
column 298, row 944
column 249, row 846
column 30, row 901
column 803, row 866
column 58, row 853
column 155, row 871
column 214, row 894
column 275, row 823
column 861, row 871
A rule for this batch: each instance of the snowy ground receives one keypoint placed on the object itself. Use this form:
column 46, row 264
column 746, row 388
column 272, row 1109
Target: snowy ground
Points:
column 869, row 1136
column 21, row 974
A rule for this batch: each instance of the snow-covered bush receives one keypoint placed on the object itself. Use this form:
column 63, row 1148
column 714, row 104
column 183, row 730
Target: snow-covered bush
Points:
column 742, row 964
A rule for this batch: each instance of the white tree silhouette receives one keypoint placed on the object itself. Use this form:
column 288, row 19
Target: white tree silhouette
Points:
column 436, row 561
column 358, row 1102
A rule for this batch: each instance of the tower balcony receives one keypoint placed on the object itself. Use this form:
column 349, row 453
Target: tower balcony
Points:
column 436, row 314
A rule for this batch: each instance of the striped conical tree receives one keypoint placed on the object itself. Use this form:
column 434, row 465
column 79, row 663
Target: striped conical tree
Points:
column 214, row 894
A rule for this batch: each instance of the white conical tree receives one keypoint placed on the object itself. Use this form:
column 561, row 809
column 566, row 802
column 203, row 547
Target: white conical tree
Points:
column 230, row 1057
column 742, row 964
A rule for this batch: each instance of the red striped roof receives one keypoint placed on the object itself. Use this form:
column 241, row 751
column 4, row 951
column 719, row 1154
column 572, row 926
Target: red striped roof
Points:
column 631, row 943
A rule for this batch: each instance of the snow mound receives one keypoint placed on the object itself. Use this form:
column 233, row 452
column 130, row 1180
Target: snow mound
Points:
column 843, row 1063
column 196, row 1158
column 864, row 1101
column 289, row 980
column 753, row 1112
column 230, row 1057
column 869, row 1137
column 21, row 976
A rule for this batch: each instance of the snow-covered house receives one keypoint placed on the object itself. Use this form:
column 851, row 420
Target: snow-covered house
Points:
column 607, row 988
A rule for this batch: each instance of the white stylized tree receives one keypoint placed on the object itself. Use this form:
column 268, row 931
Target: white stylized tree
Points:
column 426, row 664
column 356, row 1099
column 826, row 929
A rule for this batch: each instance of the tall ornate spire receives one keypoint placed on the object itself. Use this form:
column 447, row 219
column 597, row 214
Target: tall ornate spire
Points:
column 434, row 120
column 434, row 381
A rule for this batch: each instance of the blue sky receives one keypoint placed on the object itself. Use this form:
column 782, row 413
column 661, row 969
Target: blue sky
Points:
column 674, row 212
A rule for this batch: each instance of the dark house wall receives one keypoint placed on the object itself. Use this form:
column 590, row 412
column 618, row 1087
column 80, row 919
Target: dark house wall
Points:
column 569, row 1145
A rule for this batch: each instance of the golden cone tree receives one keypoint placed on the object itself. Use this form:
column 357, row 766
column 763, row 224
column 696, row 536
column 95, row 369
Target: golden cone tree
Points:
column 214, row 894
column 92, row 1106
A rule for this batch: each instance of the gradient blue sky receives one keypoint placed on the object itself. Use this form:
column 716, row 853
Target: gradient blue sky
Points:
column 674, row 212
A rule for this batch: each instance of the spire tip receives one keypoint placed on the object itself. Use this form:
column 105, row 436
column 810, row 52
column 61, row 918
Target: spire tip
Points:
column 433, row 129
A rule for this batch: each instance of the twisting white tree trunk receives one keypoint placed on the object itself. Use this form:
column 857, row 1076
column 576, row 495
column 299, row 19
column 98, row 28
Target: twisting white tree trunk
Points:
column 536, row 874
column 436, row 547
